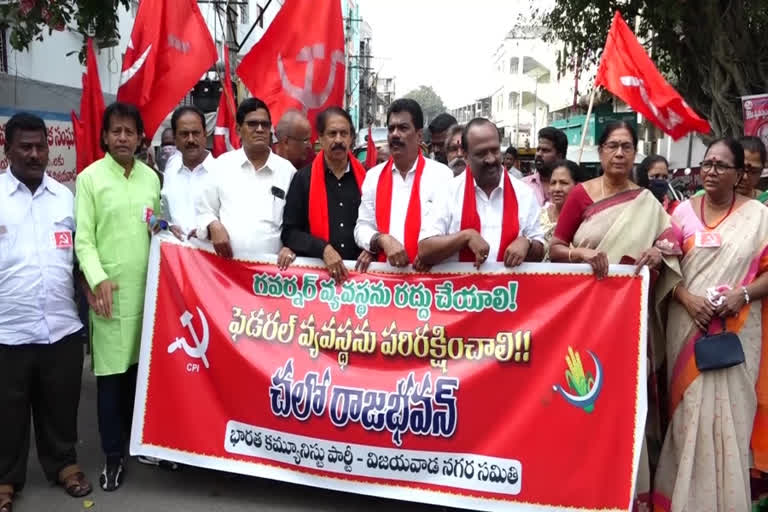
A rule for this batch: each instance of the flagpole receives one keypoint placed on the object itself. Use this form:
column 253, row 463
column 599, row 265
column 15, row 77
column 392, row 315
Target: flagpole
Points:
column 586, row 124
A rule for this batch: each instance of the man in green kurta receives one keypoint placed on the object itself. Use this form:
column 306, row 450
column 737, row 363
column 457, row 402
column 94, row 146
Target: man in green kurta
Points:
column 115, row 198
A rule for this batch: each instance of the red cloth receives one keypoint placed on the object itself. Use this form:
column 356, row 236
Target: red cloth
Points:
column 225, row 136
column 629, row 73
column 413, row 215
column 169, row 50
column 87, row 129
column 572, row 214
column 371, row 153
column 510, row 222
column 299, row 62
column 318, row 195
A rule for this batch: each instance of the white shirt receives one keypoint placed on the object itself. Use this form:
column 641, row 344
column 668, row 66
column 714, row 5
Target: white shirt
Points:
column 445, row 218
column 181, row 187
column 36, row 284
column 248, row 201
column 433, row 181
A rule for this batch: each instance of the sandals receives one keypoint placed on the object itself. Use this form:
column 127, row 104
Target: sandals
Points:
column 6, row 498
column 74, row 482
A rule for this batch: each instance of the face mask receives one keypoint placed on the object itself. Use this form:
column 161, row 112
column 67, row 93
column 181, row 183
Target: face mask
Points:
column 658, row 188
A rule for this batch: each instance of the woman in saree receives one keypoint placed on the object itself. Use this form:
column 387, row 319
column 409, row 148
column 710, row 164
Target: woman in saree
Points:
column 719, row 418
column 566, row 174
column 610, row 220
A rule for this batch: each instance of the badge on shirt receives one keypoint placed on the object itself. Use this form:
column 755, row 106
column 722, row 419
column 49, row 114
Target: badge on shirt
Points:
column 708, row 239
column 62, row 239
column 147, row 214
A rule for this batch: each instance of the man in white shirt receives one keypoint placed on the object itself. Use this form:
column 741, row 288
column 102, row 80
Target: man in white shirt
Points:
column 497, row 216
column 398, row 195
column 240, row 209
column 41, row 350
column 512, row 161
column 185, row 176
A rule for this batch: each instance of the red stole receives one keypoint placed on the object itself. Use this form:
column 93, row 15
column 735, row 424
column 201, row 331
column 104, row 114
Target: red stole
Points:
column 510, row 224
column 318, row 198
column 413, row 215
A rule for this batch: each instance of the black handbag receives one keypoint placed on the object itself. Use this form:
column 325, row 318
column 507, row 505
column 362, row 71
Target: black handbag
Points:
column 718, row 351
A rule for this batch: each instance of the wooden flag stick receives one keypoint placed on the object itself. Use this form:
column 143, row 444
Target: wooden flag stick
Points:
column 586, row 123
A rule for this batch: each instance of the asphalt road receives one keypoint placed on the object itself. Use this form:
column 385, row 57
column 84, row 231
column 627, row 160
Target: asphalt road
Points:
column 150, row 489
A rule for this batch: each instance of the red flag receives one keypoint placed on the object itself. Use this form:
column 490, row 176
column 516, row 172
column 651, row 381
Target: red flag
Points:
column 88, row 128
column 225, row 136
column 627, row 72
column 169, row 50
column 299, row 68
column 370, row 152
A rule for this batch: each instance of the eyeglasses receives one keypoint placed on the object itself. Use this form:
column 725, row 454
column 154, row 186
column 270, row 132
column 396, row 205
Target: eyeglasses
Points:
column 751, row 169
column 719, row 167
column 613, row 146
column 254, row 124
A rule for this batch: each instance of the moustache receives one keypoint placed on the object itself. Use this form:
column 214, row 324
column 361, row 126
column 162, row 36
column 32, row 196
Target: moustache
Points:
column 396, row 142
column 457, row 162
column 342, row 147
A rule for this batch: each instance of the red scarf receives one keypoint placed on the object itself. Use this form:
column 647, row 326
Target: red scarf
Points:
column 510, row 224
column 413, row 215
column 318, row 198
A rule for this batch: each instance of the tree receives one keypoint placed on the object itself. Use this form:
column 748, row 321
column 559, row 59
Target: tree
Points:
column 712, row 51
column 430, row 102
column 29, row 19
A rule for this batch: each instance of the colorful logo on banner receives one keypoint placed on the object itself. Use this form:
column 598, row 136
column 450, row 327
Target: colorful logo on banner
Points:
column 586, row 387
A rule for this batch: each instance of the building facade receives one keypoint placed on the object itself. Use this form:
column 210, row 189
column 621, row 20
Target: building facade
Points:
column 479, row 108
column 527, row 82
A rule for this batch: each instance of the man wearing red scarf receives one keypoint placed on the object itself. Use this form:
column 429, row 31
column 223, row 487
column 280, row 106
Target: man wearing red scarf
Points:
column 398, row 195
column 485, row 212
column 322, row 202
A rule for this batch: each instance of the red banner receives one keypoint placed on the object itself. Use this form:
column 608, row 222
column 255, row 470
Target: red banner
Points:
column 755, row 109
column 484, row 390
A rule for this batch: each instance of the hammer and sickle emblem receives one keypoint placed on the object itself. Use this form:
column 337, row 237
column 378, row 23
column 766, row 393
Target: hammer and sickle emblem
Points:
column 201, row 346
column 305, row 95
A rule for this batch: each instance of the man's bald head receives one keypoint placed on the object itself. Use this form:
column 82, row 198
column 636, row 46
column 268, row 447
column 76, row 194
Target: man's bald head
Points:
column 293, row 134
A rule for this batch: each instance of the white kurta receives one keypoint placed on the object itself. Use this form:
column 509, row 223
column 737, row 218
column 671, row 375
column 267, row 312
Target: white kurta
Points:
column 445, row 217
column 249, row 202
column 433, row 181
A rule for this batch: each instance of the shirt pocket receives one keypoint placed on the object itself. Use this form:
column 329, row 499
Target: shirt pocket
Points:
column 278, row 206
column 8, row 235
column 62, row 237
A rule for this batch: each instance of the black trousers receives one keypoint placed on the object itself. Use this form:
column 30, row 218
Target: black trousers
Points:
column 115, row 410
column 42, row 383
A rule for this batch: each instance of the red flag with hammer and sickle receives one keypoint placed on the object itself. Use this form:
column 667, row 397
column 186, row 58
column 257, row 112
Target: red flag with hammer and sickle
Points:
column 87, row 127
column 629, row 73
column 299, row 68
column 169, row 51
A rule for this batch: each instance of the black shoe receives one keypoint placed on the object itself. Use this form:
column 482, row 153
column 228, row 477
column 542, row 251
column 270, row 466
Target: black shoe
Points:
column 111, row 477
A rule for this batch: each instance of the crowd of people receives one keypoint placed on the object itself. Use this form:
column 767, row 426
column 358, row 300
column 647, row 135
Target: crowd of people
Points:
column 458, row 198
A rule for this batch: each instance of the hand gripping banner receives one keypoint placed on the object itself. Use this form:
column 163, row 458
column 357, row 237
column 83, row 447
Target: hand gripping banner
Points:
column 490, row 390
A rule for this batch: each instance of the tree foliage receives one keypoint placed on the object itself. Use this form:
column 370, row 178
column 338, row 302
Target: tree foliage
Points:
column 29, row 20
column 430, row 101
column 712, row 51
